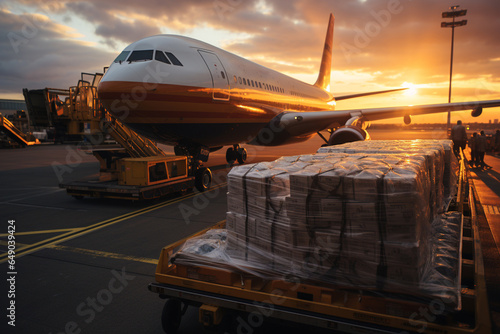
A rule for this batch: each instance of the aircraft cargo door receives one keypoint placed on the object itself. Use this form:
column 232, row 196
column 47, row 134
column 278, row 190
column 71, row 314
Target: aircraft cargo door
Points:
column 219, row 76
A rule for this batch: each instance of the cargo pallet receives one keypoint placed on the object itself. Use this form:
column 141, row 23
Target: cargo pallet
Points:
column 222, row 296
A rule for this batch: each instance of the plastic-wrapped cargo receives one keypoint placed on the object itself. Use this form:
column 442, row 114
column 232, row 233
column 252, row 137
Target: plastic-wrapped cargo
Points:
column 321, row 262
column 350, row 216
column 443, row 173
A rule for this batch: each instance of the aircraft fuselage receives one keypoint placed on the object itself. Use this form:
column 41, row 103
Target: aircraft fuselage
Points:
column 177, row 90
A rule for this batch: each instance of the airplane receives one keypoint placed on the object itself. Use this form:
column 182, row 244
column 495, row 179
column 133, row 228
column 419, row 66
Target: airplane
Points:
column 198, row 98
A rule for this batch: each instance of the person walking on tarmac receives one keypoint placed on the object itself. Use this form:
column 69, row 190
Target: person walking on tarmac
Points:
column 459, row 138
column 473, row 151
column 481, row 144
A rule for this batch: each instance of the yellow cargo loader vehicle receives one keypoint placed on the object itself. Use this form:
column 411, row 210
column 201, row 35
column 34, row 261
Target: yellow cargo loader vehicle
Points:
column 138, row 170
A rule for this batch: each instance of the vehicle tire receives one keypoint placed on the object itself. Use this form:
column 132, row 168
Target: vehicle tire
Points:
column 171, row 316
column 227, row 325
column 231, row 155
column 242, row 156
column 203, row 179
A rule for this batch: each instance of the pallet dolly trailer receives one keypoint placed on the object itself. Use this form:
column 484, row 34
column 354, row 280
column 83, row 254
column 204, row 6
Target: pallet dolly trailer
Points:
column 112, row 190
column 223, row 296
column 143, row 178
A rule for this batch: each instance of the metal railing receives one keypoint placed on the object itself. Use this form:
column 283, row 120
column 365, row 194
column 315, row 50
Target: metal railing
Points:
column 14, row 132
column 136, row 145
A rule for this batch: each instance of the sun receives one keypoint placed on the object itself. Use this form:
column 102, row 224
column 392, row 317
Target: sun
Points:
column 412, row 89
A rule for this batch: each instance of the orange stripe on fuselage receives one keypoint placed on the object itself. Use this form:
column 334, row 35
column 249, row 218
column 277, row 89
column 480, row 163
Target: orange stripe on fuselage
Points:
column 137, row 102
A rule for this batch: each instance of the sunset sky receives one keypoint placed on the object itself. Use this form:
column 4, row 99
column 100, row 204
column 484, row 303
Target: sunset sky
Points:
column 378, row 44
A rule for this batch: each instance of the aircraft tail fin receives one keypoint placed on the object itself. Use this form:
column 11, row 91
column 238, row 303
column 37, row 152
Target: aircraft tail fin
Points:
column 326, row 61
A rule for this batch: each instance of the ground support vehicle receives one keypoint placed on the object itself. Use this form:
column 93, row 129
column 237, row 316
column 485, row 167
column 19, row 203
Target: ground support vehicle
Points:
column 143, row 178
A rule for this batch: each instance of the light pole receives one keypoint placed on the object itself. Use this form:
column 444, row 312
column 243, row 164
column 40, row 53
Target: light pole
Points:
column 454, row 13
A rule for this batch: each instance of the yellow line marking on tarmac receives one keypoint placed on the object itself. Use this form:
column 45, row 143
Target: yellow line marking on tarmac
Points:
column 5, row 243
column 492, row 209
column 85, row 230
column 104, row 254
column 93, row 253
column 45, row 231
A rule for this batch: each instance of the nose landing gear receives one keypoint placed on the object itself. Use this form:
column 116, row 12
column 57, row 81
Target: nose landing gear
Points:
column 236, row 153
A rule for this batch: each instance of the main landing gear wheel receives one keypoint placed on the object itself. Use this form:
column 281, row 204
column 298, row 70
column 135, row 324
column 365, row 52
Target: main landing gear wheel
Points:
column 203, row 179
column 236, row 153
column 171, row 316
column 241, row 156
column 230, row 155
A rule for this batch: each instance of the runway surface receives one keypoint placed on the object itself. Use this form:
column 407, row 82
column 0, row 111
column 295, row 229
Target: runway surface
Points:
column 83, row 266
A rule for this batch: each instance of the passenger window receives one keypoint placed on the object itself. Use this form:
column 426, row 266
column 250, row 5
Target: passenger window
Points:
column 173, row 59
column 244, row 81
column 223, row 75
column 235, row 79
column 141, row 55
column 252, row 84
column 260, row 85
column 121, row 57
column 239, row 80
column 160, row 56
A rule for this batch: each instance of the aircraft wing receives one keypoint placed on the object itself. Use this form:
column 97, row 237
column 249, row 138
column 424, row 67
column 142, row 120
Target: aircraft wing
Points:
column 303, row 123
column 352, row 96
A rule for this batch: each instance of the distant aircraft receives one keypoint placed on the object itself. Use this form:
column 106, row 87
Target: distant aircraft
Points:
column 186, row 93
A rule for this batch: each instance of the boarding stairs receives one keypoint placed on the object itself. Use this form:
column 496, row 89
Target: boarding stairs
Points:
column 14, row 133
column 135, row 145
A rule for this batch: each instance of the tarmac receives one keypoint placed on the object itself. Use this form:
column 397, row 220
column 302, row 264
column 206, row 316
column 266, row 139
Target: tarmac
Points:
column 83, row 266
column 486, row 183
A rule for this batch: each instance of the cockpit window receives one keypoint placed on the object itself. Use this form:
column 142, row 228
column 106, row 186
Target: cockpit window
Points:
column 174, row 60
column 141, row 55
column 121, row 57
column 160, row 56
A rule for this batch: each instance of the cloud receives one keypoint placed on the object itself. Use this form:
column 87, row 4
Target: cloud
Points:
column 38, row 53
column 111, row 27
column 387, row 42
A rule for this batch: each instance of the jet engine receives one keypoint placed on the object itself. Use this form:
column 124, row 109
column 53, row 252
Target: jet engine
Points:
column 347, row 134
column 476, row 112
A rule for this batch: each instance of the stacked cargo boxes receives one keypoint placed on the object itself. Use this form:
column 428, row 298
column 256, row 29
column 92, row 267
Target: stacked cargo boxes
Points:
column 354, row 215
column 443, row 163
column 361, row 215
